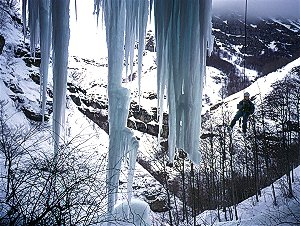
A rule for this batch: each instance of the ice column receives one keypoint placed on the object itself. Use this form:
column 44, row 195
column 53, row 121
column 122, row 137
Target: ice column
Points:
column 122, row 21
column 33, row 7
column 60, row 38
column 45, row 43
column 37, row 19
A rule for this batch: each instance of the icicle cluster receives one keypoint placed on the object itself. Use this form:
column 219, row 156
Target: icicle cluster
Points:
column 125, row 22
column 182, row 35
column 46, row 16
column 39, row 24
column 182, row 31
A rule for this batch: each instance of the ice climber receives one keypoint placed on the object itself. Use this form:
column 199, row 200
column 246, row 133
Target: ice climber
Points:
column 246, row 108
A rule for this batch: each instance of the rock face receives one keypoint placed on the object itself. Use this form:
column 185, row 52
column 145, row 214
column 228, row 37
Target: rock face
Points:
column 23, row 51
column 150, row 43
column 34, row 116
column 159, row 206
column 97, row 110
column 31, row 109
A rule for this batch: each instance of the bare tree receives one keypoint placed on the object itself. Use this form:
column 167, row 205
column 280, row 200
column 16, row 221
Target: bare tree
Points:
column 43, row 189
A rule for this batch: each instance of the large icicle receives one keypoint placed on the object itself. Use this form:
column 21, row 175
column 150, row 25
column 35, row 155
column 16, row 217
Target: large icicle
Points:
column 141, row 29
column 45, row 41
column 33, row 7
column 183, row 31
column 122, row 21
column 24, row 16
column 60, row 37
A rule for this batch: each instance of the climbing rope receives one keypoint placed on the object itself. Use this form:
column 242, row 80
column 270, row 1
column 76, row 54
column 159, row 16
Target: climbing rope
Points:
column 245, row 42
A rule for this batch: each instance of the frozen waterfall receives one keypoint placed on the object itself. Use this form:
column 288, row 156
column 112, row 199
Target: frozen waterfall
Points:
column 183, row 31
column 183, row 35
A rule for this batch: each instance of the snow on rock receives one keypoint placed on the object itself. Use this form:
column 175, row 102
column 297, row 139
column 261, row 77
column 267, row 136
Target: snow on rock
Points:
column 12, row 116
column 136, row 212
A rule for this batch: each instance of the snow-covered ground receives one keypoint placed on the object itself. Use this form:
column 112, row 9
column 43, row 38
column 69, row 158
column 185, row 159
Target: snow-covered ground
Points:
column 263, row 212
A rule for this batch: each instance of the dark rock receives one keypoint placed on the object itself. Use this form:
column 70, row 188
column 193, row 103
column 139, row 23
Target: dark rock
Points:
column 75, row 89
column 98, row 118
column 150, row 43
column 33, row 115
column 169, row 164
column 14, row 88
column 94, row 104
column 35, row 77
column 17, row 19
column 216, row 106
column 76, row 100
column 2, row 43
column 151, row 196
column 139, row 118
column 140, row 114
column 207, row 135
column 22, row 51
column 50, row 93
column 152, row 129
column 29, row 61
column 182, row 154
column 17, row 98
column 49, row 105
column 151, row 96
column 131, row 124
column 130, row 77
column 159, row 206
column 140, row 126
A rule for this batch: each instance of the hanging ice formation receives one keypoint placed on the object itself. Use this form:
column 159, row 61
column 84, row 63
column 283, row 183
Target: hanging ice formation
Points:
column 60, row 40
column 125, row 22
column 43, row 14
column 45, row 37
column 183, row 33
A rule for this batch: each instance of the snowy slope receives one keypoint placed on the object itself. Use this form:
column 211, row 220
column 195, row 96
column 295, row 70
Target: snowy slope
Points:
column 263, row 212
column 258, row 89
